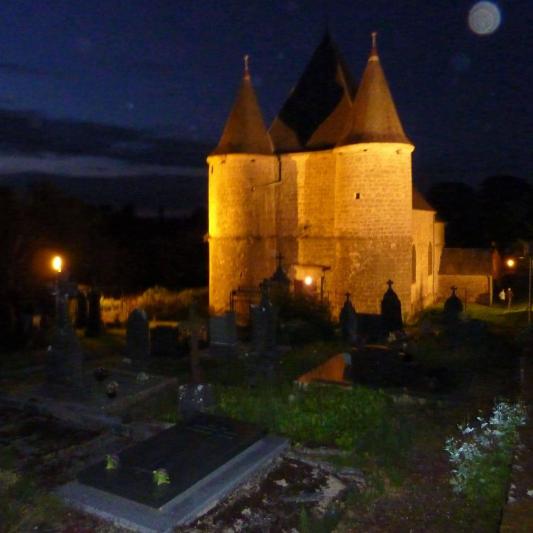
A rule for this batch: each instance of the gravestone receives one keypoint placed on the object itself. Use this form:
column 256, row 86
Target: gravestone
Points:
column 64, row 357
column 391, row 311
column 138, row 339
column 453, row 307
column 263, row 318
column 81, row 310
column 94, row 316
column 164, row 342
column 348, row 321
column 223, row 334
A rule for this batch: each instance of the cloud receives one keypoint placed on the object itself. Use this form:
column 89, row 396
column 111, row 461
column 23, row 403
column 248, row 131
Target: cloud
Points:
column 94, row 166
column 39, row 138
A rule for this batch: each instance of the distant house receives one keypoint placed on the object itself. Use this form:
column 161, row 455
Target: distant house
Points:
column 472, row 271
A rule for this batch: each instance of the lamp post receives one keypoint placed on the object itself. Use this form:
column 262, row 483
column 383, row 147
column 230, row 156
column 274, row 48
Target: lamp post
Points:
column 530, row 259
column 57, row 267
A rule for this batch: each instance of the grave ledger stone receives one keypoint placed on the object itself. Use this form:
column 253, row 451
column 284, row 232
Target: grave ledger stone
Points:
column 188, row 452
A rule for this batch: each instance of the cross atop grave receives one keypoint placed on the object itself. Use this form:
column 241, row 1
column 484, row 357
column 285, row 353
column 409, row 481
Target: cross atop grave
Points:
column 391, row 310
column 348, row 321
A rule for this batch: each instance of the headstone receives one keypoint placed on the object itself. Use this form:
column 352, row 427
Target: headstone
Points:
column 279, row 281
column 94, row 316
column 348, row 321
column 81, row 310
column 391, row 311
column 264, row 324
column 164, row 341
column 64, row 358
column 453, row 307
column 223, row 334
column 138, row 339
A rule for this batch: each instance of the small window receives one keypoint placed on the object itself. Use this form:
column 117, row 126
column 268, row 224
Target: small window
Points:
column 413, row 265
column 357, row 196
column 430, row 259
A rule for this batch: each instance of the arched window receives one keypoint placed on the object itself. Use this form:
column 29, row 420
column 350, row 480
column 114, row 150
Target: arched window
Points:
column 413, row 265
column 430, row 259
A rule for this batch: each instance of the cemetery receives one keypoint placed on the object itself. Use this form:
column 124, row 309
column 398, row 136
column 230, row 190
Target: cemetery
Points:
column 292, row 422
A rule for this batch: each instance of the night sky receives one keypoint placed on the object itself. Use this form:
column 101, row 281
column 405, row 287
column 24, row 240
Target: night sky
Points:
column 127, row 87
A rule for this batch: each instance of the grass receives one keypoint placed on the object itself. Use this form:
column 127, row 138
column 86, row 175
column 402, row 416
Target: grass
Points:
column 23, row 505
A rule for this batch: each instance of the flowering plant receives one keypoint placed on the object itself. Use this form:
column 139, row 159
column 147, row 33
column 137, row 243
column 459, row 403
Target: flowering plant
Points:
column 112, row 462
column 161, row 477
column 142, row 377
column 481, row 457
column 111, row 388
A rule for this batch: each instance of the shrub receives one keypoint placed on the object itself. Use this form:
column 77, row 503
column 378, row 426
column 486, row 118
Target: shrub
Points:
column 303, row 319
column 481, row 458
column 164, row 304
column 353, row 419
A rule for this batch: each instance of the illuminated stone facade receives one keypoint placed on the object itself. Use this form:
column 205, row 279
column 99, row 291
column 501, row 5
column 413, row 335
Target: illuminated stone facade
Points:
column 332, row 193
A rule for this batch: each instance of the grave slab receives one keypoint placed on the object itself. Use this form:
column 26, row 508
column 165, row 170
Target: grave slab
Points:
column 93, row 408
column 206, row 458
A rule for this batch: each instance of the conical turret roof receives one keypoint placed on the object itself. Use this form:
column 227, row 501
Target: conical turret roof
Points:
column 315, row 113
column 374, row 116
column 245, row 131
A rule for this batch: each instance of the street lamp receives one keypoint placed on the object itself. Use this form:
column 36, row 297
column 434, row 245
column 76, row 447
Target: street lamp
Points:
column 57, row 264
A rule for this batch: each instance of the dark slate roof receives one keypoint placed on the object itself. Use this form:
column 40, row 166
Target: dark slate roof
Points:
column 315, row 113
column 466, row 261
column 419, row 202
column 374, row 117
column 245, row 130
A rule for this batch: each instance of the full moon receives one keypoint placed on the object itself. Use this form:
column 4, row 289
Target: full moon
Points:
column 484, row 18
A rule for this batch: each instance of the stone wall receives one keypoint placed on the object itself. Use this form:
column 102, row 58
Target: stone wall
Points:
column 476, row 288
column 424, row 290
column 373, row 223
column 342, row 216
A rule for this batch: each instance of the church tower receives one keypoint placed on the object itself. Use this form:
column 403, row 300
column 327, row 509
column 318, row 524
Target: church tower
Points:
column 328, row 189
column 373, row 196
column 241, row 213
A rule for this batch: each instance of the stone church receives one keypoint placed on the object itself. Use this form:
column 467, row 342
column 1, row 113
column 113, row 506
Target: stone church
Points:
column 326, row 193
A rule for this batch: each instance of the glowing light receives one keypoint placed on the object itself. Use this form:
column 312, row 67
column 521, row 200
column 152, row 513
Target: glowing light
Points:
column 308, row 280
column 484, row 18
column 57, row 263
column 510, row 262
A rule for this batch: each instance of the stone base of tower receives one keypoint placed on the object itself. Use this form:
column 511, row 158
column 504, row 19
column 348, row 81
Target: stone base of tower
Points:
column 363, row 267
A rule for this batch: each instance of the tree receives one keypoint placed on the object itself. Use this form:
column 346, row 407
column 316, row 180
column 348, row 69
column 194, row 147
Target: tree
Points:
column 506, row 211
